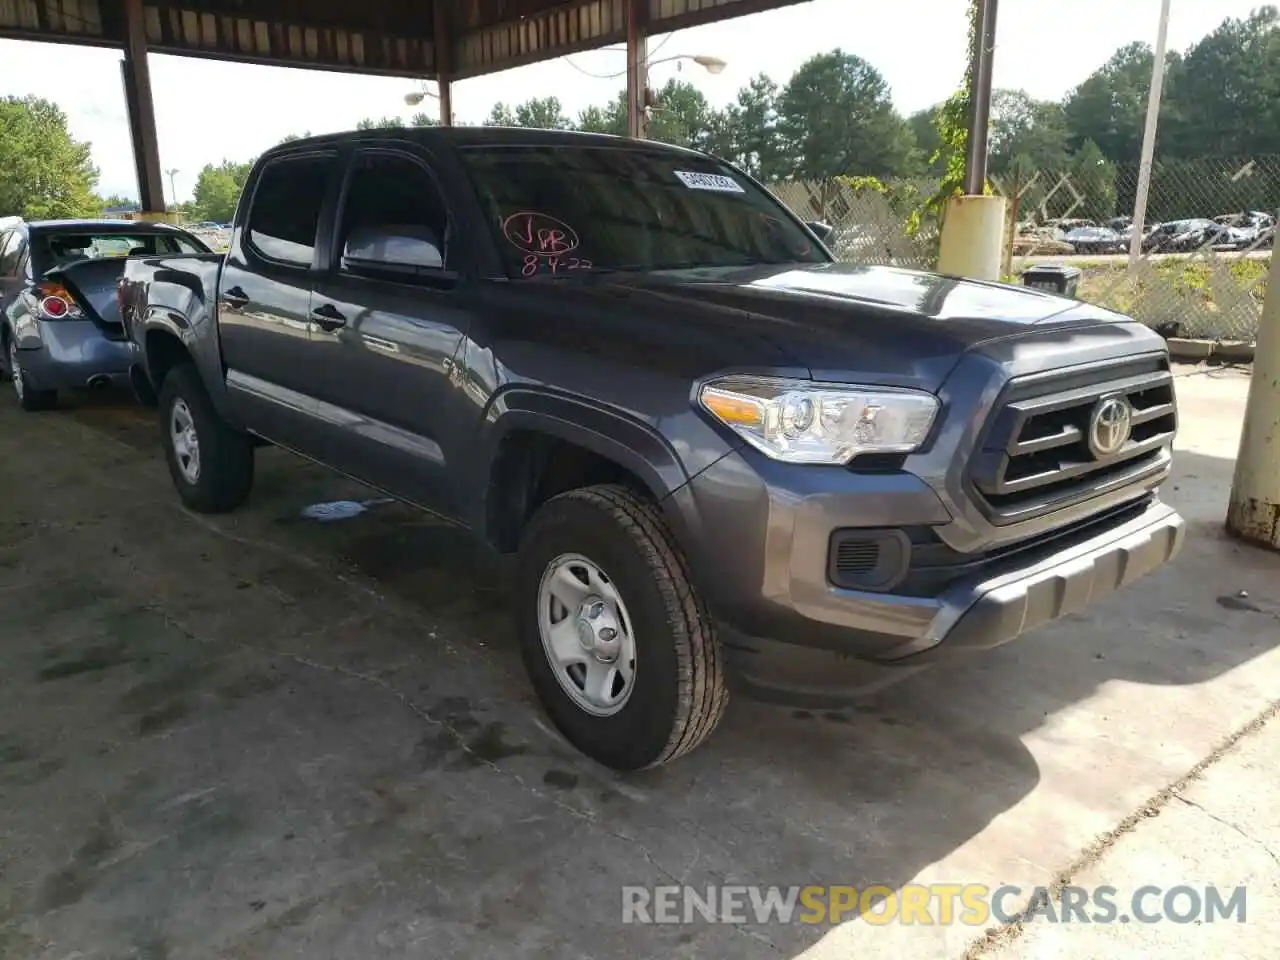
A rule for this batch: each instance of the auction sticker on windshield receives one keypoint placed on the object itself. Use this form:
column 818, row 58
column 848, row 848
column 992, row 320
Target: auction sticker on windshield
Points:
column 709, row 181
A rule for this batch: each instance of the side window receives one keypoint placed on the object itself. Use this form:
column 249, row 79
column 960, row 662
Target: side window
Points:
column 394, row 214
column 10, row 252
column 286, row 208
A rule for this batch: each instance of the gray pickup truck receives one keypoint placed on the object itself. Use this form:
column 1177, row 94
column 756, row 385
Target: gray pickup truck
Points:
column 712, row 450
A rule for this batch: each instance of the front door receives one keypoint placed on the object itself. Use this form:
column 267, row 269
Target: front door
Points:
column 386, row 337
column 264, row 299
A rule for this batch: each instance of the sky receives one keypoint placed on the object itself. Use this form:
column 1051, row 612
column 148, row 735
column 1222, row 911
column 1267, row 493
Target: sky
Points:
column 208, row 110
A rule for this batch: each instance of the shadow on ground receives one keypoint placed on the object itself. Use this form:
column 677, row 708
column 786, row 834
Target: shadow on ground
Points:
column 267, row 736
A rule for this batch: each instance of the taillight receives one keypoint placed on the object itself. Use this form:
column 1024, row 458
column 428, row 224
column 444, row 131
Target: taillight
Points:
column 55, row 302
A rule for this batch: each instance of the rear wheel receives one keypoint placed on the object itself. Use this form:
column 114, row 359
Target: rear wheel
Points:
column 211, row 463
column 29, row 398
column 620, row 649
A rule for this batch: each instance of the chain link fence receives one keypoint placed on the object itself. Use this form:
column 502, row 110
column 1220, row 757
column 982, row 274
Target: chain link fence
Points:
column 1203, row 259
column 870, row 224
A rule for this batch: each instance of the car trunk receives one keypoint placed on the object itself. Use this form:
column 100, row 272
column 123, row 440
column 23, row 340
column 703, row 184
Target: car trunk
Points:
column 93, row 284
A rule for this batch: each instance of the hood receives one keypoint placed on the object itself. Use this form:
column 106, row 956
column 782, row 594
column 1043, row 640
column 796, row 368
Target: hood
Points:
column 843, row 322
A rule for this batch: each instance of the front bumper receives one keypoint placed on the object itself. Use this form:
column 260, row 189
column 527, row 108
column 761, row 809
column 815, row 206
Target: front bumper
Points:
column 69, row 354
column 760, row 549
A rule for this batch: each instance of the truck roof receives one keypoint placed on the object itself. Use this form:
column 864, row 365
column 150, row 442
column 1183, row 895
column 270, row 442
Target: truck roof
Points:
column 481, row 136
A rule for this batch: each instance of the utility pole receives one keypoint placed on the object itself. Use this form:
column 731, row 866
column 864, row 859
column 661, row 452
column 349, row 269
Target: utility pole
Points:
column 173, row 189
column 1253, row 512
column 1149, row 137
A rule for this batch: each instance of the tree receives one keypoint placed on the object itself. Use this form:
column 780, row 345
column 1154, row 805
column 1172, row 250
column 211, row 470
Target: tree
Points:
column 1110, row 107
column 681, row 115
column 218, row 190
column 1094, row 176
column 543, row 113
column 1034, row 131
column 836, row 117
column 924, row 129
column 423, row 119
column 381, row 123
column 611, row 118
column 1223, row 94
column 750, row 136
column 117, row 202
column 44, row 172
column 501, row 116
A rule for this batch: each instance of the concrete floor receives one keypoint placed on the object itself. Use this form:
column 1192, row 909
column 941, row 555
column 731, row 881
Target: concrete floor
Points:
column 262, row 736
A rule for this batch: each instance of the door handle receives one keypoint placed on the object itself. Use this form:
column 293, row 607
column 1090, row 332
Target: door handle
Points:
column 328, row 317
column 235, row 298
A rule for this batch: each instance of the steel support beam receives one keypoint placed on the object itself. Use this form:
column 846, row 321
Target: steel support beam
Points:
column 637, row 67
column 141, row 108
column 442, row 42
column 975, row 165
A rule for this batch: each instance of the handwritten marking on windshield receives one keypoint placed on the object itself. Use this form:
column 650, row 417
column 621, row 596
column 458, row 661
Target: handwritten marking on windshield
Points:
column 533, row 263
column 539, row 235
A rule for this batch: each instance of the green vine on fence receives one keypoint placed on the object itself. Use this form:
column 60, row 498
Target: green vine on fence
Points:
column 952, row 123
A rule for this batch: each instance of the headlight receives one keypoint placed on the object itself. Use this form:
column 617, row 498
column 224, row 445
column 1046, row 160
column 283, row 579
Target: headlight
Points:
column 799, row 421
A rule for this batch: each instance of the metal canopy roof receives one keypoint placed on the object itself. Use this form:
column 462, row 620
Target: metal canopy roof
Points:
column 374, row 36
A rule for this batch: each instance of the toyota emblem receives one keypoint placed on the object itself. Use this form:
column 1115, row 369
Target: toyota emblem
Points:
column 1109, row 427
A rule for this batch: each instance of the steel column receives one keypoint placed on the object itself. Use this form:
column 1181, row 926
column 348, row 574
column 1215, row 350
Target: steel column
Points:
column 637, row 67
column 442, row 43
column 142, row 113
column 983, row 53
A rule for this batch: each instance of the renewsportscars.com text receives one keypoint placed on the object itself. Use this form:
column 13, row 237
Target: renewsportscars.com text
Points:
column 930, row 904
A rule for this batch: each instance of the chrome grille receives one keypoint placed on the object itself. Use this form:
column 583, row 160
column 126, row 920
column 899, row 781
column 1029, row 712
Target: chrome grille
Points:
column 1036, row 455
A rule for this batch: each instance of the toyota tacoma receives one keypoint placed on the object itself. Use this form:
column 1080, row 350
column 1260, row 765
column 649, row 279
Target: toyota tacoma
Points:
column 712, row 450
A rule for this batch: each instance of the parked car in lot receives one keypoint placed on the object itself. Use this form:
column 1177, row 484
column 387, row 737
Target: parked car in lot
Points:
column 1086, row 240
column 1244, row 231
column 60, row 327
column 702, row 440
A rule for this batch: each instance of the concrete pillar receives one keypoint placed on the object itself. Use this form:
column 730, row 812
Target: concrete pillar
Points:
column 637, row 67
column 142, row 114
column 1253, row 513
column 973, row 238
column 443, row 41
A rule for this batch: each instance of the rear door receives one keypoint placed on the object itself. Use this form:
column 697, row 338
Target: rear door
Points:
column 264, row 296
column 386, row 334
column 12, row 247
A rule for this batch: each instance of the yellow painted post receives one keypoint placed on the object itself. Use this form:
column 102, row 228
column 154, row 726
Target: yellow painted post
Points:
column 1253, row 513
column 973, row 237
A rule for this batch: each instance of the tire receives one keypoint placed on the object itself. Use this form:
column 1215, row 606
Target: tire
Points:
column 29, row 398
column 223, row 473
column 677, row 691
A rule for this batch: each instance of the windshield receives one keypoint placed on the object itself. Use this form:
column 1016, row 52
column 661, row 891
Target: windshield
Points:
column 561, row 210
column 61, row 249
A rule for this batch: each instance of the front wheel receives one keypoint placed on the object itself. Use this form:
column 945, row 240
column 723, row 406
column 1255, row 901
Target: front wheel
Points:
column 620, row 649
column 211, row 462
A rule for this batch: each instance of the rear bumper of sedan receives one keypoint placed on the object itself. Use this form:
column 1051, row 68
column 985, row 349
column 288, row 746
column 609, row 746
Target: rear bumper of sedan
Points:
column 73, row 354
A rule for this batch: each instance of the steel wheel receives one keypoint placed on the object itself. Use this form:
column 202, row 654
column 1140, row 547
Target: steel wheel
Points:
column 186, row 445
column 15, row 370
column 586, row 635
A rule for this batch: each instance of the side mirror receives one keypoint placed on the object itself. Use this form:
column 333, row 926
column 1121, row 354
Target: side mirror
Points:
column 391, row 247
column 821, row 230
